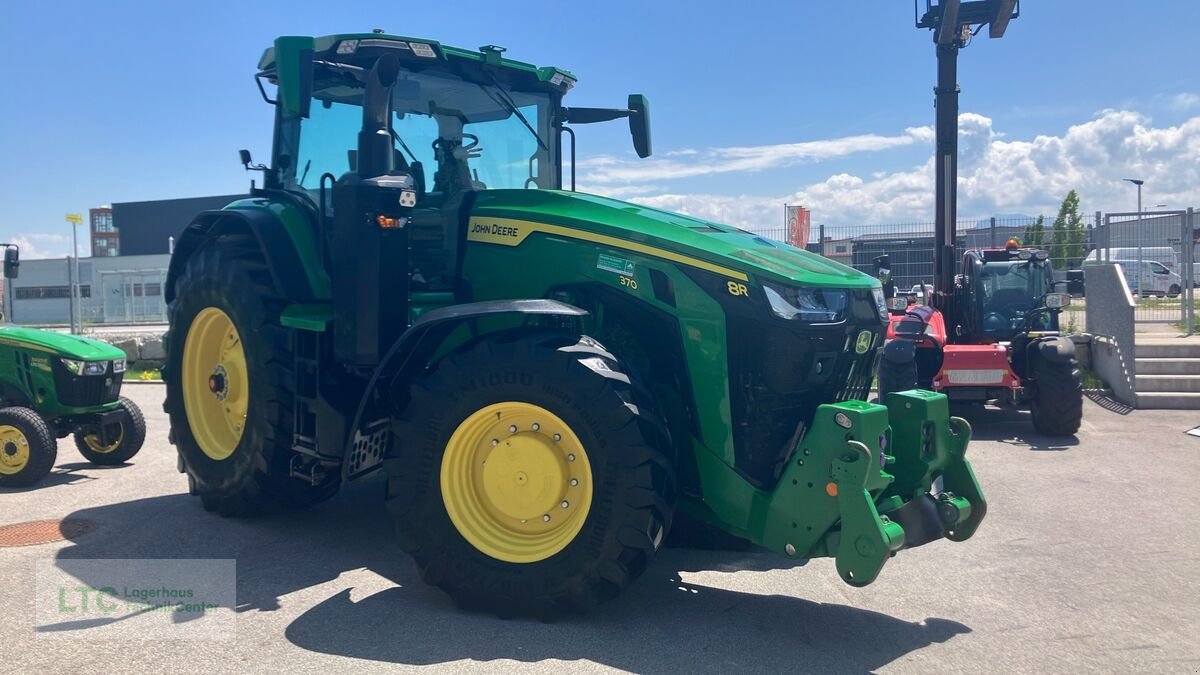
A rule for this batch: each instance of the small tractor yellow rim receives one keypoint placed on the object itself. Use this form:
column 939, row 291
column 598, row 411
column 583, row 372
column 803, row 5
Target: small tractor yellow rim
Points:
column 14, row 450
column 516, row 482
column 216, row 389
column 93, row 442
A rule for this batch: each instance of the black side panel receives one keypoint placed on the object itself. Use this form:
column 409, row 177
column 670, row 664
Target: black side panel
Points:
column 287, row 270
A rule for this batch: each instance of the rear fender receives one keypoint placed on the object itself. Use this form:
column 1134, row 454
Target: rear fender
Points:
column 284, row 235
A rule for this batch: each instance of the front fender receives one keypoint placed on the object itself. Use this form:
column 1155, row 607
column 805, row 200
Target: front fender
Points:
column 1055, row 349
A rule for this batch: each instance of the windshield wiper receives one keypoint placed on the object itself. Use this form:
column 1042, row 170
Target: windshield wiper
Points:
column 500, row 96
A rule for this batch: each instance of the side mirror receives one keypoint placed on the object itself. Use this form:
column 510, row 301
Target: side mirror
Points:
column 639, row 124
column 247, row 161
column 11, row 262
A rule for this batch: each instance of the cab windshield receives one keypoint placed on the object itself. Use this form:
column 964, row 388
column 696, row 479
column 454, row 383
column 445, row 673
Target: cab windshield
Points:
column 1010, row 290
column 451, row 133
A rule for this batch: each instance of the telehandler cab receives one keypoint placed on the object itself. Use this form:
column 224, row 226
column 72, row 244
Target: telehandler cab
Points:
column 544, row 376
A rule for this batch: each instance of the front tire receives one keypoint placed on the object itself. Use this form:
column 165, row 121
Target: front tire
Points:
column 129, row 440
column 229, row 375
column 1173, row 291
column 1057, row 407
column 897, row 370
column 27, row 448
column 530, row 479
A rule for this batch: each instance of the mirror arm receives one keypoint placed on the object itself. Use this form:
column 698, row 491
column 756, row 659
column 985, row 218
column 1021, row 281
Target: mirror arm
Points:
column 593, row 115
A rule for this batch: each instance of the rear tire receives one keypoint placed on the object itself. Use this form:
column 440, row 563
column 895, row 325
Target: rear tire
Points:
column 590, row 398
column 27, row 448
column 243, row 466
column 133, row 434
column 1057, row 408
column 1173, row 291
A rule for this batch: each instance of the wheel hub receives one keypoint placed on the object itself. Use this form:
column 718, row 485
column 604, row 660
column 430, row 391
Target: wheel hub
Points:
column 218, row 382
column 516, row 482
column 215, row 383
column 16, row 450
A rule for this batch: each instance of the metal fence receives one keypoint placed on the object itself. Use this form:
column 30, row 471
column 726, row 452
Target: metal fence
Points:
column 1156, row 251
column 1151, row 241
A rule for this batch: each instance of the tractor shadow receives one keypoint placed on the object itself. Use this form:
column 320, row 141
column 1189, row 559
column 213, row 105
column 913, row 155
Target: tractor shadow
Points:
column 62, row 474
column 660, row 624
column 1010, row 426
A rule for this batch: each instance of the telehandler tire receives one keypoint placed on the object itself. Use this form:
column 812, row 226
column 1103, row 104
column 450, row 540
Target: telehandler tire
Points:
column 1057, row 407
column 528, row 479
column 133, row 434
column 897, row 370
column 229, row 375
column 27, row 448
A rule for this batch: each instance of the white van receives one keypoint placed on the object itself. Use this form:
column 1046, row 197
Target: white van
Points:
column 1155, row 278
column 1160, row 254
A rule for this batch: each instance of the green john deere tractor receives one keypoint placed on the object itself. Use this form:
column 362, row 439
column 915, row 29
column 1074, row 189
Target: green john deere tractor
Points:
column 547, row 378
column 54, row 385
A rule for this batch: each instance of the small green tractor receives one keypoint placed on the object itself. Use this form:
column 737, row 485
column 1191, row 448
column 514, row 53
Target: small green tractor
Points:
column 547, row 378
column 54, row 385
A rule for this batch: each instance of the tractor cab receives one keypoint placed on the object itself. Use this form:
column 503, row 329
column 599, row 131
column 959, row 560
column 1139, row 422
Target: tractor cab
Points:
column 389, row 141
column 1001, row 291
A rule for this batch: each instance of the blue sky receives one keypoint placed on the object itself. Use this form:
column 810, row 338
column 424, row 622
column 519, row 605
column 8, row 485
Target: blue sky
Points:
column 754, row 103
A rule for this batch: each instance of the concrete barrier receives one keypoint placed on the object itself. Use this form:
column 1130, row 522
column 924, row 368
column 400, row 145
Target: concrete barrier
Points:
column 1109, row 319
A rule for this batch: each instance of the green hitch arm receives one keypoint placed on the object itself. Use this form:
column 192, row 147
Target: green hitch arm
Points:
column 866, row 539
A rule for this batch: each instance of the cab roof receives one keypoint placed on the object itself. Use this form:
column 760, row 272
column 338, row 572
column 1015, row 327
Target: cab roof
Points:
column 345, row 47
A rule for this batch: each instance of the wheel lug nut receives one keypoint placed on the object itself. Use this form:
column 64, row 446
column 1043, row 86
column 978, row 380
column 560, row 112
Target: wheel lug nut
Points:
column 495, row 441
column 574, row 482
column 512, row 429
column 546, row 518
column 565, row 504
column 571, row 458
column 536, row 426
column 558, row 437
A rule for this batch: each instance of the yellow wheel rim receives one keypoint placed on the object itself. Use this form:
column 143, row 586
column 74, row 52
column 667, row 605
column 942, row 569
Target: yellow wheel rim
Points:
column 93, row 442
column 14, row 450
column 516, row 482
column 216, row 391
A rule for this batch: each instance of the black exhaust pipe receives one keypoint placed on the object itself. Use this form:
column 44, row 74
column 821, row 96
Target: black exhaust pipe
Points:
column 374, row 141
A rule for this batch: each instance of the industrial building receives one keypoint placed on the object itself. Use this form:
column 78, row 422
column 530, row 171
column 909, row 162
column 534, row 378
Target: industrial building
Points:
column 123, row 280
column 112, row 289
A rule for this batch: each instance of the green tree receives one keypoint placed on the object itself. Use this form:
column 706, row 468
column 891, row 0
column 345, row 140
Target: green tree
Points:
column 1067, row 249
column 1035, row 233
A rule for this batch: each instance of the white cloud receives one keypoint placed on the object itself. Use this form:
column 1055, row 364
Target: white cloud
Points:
column 607, row 170
column 997, row 175
column 37, row 245
column 1185, row 101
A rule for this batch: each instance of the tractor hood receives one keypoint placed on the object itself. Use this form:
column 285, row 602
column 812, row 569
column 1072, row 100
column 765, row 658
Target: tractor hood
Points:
column 720, row 245
column 69, row 346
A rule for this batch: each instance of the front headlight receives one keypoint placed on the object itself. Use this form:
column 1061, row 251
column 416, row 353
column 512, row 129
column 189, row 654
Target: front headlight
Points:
column 118, row 365
column 818, row 305
column 85, row 367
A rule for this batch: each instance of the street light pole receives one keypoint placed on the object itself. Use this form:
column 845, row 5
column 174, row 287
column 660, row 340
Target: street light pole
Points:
column 1138, row 182
column 73, row 272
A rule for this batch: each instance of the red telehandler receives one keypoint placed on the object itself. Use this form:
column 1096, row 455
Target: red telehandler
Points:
column 991, row 331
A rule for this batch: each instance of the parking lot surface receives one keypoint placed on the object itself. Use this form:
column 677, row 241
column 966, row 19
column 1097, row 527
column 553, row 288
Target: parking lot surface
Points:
column 1087, row 561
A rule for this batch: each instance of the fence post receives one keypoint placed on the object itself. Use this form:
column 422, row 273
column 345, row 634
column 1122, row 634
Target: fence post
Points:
column 993, row 231
column 821, row 236
column 1188, row 247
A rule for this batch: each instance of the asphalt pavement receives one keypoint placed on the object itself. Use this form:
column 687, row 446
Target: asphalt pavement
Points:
column 1087, row 562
